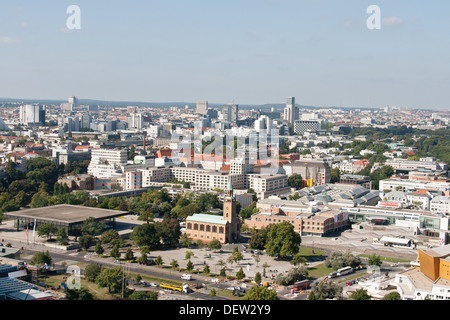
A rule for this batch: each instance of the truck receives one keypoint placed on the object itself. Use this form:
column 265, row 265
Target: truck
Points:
column 186, row 276
column 185, row 288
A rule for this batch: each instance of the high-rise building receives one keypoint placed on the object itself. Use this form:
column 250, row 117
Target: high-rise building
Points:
column 202, row 107
column 230, row 113
column 32, row 115
column 290, row 111
column 72, row 124
column 263, row 124
column 85, row 121
column 135, row 120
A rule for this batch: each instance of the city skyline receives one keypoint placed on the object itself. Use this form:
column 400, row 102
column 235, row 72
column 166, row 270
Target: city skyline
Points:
column 250, row 53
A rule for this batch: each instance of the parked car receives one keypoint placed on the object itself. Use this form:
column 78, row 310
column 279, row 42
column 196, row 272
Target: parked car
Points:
column 351, row 282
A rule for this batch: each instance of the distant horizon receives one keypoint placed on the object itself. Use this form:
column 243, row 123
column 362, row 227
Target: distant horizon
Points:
column 125, row 103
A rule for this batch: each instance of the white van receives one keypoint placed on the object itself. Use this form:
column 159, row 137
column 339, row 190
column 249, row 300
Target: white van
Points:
column 186, row 277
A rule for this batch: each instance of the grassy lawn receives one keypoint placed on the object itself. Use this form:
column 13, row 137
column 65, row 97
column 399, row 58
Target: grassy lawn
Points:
column 100, row 293
column 228, row 294
column 319, row 271
column 387, row 259
column 308, row 252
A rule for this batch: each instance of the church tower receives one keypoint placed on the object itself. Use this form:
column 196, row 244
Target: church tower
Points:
column 230, row 215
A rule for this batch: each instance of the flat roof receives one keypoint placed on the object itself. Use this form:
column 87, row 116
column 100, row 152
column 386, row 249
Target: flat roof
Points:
column 207, row 218
column 65, row 214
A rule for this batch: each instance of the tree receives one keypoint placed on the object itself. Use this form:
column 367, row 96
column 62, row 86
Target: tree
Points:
column 79, row 294
column 260, row 293
column 188, row 255
column 129, row 255
column 295, row 181
column 92, row 227
column 146, row 235
column 47, row 230
column 335, row 175
column 143, row 258
column 212, row 293
column 143, row 295
column 174, row 264
column 61, row 236
column 41, row 258
column 85, row 241
column 170, row 232
column 339, row 260
column 259, row 239
column 111, row 278
column 92, row 271
column 99, row 249
column 206, row 269
column 240, row 274
column 360, row 294
column 115, row 253
column 282, row 240
column 185, row 240
column 375, row 260
column 132, row 152
column 109, row 236
column 223, row 272
column 208, row 200
column 189, row 266
column 236, row 256
column 294, row 275
column 158, row 261
column 325, row 290
column 215, row 245
column 394, row 295
column 297, row 259
column 258, row 278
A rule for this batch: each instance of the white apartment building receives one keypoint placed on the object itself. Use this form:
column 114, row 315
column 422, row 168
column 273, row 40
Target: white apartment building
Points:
column 440, row 204
column 266, row 185
column 107, row 163
column 32, row 115
column 412, row 185
column 241, row 166
column 426, row 163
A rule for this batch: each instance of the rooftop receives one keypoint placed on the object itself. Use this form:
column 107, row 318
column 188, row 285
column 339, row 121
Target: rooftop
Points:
column 65, row 214
column 207, row 218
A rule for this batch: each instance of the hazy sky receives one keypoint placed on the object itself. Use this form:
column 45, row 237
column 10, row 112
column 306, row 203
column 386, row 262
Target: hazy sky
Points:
column 246, row 51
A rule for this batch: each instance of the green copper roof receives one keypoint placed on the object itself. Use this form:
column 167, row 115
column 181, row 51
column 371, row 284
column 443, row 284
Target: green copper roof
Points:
column 206, row 218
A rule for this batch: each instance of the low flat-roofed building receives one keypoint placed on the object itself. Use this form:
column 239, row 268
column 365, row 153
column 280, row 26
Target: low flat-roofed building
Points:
column 70, row 217
column 319, row 220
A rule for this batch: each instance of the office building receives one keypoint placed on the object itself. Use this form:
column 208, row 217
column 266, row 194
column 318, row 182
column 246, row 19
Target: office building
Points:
column 290, row 111
column 302, row 126
column 32, row 115
column 202, row 107
column 230, row 113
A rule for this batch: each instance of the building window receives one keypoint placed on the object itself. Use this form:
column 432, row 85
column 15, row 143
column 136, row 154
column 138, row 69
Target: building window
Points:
column 195, row 226
column 208, row 228
column 221, row 230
